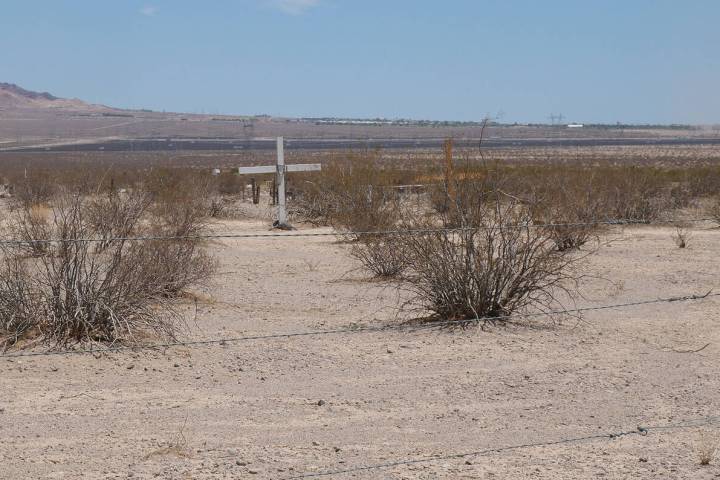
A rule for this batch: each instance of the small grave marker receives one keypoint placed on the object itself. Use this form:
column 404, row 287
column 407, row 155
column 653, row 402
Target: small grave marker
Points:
column 280, row 169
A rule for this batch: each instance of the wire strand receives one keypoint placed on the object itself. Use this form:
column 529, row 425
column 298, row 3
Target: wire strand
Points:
column 643, row 431
column 353, row 330
column 426, row 231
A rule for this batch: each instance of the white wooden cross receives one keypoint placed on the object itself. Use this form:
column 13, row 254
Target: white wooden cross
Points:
column 280, row 169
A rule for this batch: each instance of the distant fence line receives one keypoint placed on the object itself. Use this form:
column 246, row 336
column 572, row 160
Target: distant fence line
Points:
column 396, row 232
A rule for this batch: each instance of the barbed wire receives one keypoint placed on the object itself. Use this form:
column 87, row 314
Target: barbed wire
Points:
column 396, row 232
column 640, row 430
column 353, row 330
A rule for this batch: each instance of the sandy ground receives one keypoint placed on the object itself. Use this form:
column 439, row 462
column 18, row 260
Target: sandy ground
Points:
column 251, row 409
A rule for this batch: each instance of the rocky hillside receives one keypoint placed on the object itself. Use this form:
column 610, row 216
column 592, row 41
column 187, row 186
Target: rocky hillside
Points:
column 14, row 97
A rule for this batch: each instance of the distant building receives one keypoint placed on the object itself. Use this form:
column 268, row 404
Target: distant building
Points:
column 575, row 125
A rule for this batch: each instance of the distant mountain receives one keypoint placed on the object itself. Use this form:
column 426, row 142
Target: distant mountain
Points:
column 15, row 97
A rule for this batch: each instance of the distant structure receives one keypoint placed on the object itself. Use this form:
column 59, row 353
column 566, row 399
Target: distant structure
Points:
column 575, row 125
column 556, row 119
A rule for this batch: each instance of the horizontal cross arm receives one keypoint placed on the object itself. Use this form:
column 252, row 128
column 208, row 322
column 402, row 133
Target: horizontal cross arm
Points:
column 303, row 167
column 298, row 167
column 256, row 170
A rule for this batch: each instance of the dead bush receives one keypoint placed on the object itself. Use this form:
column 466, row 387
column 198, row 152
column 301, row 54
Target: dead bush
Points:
column 230, row 183
column 117, row 214
column 632, row 193
column 216, row 207
column 180, row 219
column 570, row 208
column 379, row 255
column 174, row 265
column 35, row 187
column 366, row 210
column 183, row 198
column 75, row 292
column 312, row 204
column 30, row 225
column 682, row 235
column 707, row 448
column 18, row 307
column 498, row 264
column 569, row 232
column 351, row 196
column 715, row 210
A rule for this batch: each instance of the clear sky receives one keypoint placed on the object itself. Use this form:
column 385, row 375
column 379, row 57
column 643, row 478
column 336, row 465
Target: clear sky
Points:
column 643, row 61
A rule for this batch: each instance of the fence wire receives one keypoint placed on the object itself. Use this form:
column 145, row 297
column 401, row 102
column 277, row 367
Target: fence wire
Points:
column 640, row 430
column 354, row 330
column 396, row 232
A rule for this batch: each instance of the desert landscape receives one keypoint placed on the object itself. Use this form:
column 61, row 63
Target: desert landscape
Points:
column 311, row 239
column 297, row 357
column 299, row 407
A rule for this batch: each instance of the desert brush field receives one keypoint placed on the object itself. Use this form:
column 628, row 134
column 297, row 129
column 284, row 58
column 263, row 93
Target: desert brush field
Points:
column 499, row 323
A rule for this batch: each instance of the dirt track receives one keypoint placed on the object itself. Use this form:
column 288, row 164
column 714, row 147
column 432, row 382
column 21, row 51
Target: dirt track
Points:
column 250, row 410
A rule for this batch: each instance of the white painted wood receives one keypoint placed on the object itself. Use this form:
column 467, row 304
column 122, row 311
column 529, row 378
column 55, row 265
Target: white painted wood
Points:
column 282, row 213
column 256, row 170
column 280, row 169
column 300, row 167
column 303, row 167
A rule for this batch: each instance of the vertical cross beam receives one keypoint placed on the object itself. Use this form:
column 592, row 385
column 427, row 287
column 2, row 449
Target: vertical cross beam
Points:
column 282, row 212
column 280, row 169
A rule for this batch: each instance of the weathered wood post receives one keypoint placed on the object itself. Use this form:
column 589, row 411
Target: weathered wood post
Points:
column 280, row 169
column 282, row 213
column 255, row 191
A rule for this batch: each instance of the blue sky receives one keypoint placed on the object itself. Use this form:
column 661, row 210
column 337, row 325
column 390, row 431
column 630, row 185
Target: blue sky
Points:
column 643, row 61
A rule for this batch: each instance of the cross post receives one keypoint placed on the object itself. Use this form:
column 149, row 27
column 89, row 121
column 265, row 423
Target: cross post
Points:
column 280, row 169
column 280, row 180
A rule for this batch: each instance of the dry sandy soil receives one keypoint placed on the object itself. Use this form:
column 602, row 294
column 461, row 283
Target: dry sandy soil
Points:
column 251, row 409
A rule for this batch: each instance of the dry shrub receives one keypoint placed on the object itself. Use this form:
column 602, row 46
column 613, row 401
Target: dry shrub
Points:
column 177, row 446
column 707, row 447
column 180, row 218
column 75, row 292
column 356, row 197
column 182, row 197
column 600, row 192
column 312, row 203
column 174, row 265
column 682, row 235
column 34, row 187
column 350, row 196
column 216, row 207
column 715, row 210
column 30, row 225
column 497, row 265
column 18, row 307
column 570, row 207
column 632, row 193
column 366, row 210
column 230, row 183
column 379, row 255
column 469, row 183
column 117, row 214
column 569, row 230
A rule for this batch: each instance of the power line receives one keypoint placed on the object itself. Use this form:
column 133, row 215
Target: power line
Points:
column 398, row 232
column 643, row 431
column 352, row 330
